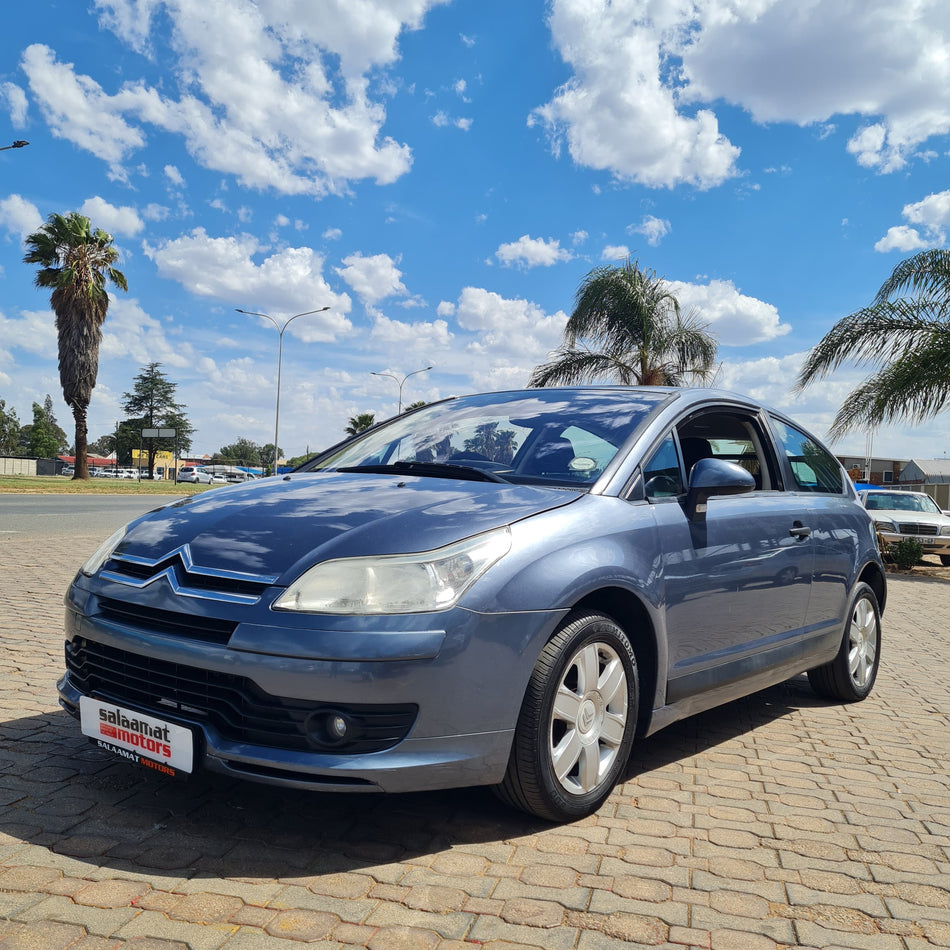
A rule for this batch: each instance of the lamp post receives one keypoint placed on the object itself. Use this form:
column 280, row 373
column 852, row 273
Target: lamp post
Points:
column 280, row 353
column 402, row 382
column 19, row 143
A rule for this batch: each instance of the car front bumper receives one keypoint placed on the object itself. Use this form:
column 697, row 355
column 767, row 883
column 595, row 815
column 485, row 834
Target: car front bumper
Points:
column 467, row 678
column 932, row 544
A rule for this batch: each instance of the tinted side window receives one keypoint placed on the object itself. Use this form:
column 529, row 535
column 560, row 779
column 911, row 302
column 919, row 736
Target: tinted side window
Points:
column 661, row 473
column 812, row 467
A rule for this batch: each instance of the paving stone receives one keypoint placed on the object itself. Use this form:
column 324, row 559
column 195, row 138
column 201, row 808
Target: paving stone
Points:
column 205, row 908
column 403, row 938
column 43, row 935
column 110, row 894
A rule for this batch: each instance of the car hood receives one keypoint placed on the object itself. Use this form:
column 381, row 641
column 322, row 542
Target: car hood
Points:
column 279, row 527
column 910, row 517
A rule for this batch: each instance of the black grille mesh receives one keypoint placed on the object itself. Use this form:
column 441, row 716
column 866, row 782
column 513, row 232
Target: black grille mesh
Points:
column 237, row 708
column 169, row 622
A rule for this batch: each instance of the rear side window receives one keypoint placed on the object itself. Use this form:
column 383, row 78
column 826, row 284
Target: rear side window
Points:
column 813, row 469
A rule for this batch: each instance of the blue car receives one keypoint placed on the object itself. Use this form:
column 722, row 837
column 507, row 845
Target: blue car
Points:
column 503, row 589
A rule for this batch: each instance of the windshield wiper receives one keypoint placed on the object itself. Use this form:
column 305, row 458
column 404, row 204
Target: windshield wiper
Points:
column 431, row 469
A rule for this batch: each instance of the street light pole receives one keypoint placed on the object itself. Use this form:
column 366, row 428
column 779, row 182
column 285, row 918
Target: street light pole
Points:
column 402, row 382
column 19, row 143
column 280, row 356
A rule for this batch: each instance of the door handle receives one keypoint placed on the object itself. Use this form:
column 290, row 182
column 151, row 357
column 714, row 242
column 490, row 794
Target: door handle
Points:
column 799, row 531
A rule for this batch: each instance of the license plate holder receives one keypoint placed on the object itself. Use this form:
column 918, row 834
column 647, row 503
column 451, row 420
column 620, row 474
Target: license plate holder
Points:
column 163, row 747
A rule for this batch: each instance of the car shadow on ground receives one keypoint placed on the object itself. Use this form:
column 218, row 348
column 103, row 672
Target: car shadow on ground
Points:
column 60, row 792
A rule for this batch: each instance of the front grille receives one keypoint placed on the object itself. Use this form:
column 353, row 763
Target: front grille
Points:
column 236, row 707
column 212, row 583
column 169, row 622
column 910, row 528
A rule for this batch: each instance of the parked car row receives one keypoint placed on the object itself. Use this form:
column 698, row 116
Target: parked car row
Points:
column 200, row 475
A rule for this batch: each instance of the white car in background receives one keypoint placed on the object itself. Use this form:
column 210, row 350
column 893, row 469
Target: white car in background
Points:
column 910, row 514
column 194, row 475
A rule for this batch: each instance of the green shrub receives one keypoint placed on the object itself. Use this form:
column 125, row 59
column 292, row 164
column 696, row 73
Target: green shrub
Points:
column 906, row 553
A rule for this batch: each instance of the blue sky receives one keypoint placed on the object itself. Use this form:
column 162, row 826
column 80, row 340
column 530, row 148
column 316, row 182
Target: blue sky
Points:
column 442, row 174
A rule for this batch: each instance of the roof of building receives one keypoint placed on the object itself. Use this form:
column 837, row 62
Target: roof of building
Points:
column 934, row 471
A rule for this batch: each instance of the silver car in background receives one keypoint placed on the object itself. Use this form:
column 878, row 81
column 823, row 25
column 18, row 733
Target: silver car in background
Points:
column 910, row 514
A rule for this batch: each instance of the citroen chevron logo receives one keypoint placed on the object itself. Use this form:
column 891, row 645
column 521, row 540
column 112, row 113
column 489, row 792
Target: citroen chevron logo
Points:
column 169, row 574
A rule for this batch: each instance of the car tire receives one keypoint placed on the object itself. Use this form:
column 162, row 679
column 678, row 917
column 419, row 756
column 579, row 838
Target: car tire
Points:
column 577, row 721
column 850, row 676
column 945, row 560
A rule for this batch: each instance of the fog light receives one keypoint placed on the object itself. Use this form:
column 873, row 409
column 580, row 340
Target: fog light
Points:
column 330, row 728
column 337, row 727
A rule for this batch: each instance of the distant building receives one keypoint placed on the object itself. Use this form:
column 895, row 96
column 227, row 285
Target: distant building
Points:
column 931, row 476
column 883, row 471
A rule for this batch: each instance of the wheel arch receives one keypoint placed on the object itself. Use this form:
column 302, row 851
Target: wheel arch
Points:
column 630, row 613
column 873, row 576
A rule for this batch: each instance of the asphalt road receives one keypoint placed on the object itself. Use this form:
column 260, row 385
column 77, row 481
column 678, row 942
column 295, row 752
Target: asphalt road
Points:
column 63, row 516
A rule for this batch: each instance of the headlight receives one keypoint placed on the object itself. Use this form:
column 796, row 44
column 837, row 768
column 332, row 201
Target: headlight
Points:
column 395, row 584
column 103, row 553
column 945, row 530
column 883, row 524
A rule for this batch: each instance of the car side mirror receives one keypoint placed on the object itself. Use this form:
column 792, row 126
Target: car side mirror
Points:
column 711, row 477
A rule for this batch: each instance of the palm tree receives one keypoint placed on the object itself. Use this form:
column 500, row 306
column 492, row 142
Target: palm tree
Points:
column 356, row 424
column 76, row 261
column 627, row 327
column 906, row 337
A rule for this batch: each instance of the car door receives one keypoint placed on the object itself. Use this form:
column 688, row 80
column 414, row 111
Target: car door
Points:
column 838, row 524
column 737, row 583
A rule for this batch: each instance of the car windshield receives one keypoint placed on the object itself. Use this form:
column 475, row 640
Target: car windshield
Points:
column 545, row 436
column 901, row 501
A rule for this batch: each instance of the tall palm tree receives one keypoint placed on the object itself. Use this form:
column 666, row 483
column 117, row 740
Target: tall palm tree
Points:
column 627, row 328
column 907, row 337
column 75, row 261
column 356, row 424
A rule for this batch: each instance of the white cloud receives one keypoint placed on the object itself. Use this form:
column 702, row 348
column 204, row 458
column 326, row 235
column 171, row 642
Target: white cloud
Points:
column 649, row 65
column 34, row 332
column 131, row 333
column 806, row 61
column 16, row 102
column 275, row 92
column 174, row 176
column 405, row 337
column 155, row 212
column 615, row 252
column 513, row 332
column 933, row 212
column 285, row 282
column 124, row 220
column 443, row 120
column 19, row 216
column 652, row 228
column 532, row 252
column 77, row 108
column 373, row 278
column 901, row 238
column 931, row 215
column 734, row 317
column 617, row 52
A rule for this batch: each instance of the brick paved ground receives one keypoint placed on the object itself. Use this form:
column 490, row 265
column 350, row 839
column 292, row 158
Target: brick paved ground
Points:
column 777, row 821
